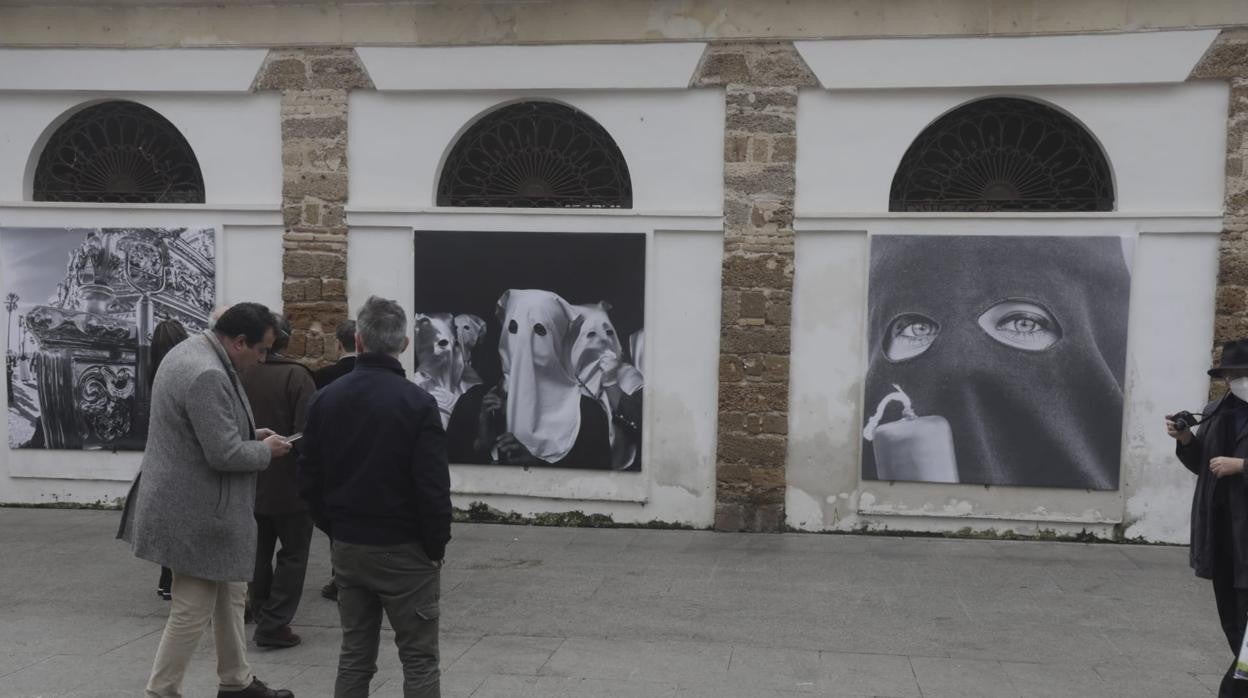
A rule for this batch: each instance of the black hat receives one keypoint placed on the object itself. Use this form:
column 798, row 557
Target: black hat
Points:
column 1234, row 358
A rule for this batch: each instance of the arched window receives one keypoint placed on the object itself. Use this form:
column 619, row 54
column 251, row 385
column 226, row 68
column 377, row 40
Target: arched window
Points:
column 118, row 153
column 536, row 155
column 1003, row 154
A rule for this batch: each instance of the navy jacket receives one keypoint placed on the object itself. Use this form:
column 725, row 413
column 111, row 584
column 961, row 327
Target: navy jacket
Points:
column 373, row 460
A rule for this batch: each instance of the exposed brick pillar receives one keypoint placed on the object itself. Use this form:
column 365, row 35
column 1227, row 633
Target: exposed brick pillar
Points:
column 761, row 82
column 314, row 84
column 1227, row 59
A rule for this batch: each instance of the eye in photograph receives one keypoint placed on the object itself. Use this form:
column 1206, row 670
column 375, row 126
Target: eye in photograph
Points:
column 1022, row 325
column 909, row 335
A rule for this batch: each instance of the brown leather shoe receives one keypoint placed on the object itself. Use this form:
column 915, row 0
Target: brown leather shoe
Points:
column 257, row 689
column 283, row 638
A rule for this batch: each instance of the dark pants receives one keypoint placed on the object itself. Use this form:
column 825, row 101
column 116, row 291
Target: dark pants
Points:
column 275, row 590
column 1232, row 604
column 400, row 580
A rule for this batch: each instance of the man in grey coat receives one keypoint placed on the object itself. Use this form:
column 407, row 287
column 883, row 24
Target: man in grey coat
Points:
column 191, row 509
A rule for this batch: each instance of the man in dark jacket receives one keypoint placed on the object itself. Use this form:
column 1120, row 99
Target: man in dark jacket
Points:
column 346, row 361
column 373, row 468
column 279, row 390
column 1216, row 453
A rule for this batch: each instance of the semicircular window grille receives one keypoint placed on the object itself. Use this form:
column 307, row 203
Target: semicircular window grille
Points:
column 536, row 155
column 118, row 153
column 1003, row 154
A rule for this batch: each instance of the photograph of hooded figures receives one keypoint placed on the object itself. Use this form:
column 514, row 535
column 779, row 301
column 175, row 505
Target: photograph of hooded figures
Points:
column 996, row 360
column 81, row 305
column 532, row 344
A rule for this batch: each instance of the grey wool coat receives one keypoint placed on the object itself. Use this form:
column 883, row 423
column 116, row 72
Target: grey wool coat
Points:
column 191, row 507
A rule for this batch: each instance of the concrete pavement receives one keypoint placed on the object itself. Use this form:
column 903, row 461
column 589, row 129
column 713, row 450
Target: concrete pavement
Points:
column 546, row 612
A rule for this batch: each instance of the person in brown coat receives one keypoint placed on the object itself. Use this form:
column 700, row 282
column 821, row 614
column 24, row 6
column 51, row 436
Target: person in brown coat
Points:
column 279, row 390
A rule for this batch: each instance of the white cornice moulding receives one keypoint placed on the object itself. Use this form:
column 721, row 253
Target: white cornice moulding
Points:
column 561, row 67
column 1083, row 59
column 129, row 70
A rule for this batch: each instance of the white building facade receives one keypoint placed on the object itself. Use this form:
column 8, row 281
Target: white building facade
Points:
column 763, row 184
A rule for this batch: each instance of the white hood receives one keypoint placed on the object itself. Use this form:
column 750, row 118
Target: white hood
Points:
column 543, row 396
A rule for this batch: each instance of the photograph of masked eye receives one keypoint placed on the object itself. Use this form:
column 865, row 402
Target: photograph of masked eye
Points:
column 531, row 345
column 996, row 360
column 910, row 335
column 1021, row 324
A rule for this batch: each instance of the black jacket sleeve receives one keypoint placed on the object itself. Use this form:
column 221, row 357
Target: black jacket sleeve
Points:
column 1190, row 455
column 432, row 476
column 311, row 471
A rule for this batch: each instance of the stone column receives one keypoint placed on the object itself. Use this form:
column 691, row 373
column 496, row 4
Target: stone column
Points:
column 1227, row 59
column 314, row 84
column 761, row 83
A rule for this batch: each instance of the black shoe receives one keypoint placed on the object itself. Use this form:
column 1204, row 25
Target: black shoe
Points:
column 282, row 639
column 257, row 689
column 330, row 591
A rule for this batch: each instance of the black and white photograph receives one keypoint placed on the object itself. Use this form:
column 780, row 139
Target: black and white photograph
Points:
column 532, row 344
column 996, row 360
column 81, row 306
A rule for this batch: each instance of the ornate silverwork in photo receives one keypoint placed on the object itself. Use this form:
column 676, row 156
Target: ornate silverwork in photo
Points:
column 532, row 344
column 996, row 360
column 81, row 305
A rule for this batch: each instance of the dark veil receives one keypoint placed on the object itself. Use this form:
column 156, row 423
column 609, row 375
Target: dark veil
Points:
column 1047, row 417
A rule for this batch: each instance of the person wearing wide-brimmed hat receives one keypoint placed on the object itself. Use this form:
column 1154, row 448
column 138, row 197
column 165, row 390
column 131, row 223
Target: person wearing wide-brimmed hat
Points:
column 1216, row 454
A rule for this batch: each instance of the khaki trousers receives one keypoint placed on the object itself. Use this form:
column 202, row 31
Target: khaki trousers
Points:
column 195, row 603
column 401, row 581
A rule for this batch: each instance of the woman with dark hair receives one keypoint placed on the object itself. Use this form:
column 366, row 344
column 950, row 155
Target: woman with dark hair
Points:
column 166, row 335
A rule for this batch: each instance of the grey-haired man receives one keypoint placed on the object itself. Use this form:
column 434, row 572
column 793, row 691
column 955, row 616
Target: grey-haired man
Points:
column 374, row 471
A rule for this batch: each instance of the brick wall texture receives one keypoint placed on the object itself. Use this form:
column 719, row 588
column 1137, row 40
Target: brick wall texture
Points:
column 314, row 84
column 761, row 83
column 1227, row 60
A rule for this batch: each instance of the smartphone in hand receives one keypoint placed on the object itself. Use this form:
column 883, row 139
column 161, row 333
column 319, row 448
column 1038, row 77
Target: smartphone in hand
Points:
column 294, row 437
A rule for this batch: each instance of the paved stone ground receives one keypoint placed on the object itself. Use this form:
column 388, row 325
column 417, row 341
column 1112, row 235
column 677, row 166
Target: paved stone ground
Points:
column 547, row 612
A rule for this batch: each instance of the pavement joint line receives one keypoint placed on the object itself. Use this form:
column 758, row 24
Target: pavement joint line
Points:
column 551, row 656
column 25, row 666
column 131, row 642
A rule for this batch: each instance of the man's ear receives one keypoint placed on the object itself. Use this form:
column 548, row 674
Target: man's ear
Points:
column 359, row 345
column 406, row 342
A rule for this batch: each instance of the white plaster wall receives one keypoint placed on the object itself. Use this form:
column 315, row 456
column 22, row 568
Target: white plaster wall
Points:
column 236, row 138
column 1165, row 144
column 1166, row 147
column 677, row 482
column 248, row 268
column 825, row 491
column 672, row 141
column 1074, row 59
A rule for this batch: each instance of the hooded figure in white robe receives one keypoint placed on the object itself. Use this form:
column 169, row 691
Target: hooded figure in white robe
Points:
column 543, row 405
column 440, row 363
column 469, row 329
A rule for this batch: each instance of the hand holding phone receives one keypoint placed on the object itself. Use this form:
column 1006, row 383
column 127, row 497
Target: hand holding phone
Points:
column 294, row 437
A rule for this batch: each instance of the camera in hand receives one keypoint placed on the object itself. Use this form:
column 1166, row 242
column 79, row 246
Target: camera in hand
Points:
column 1184, row 420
